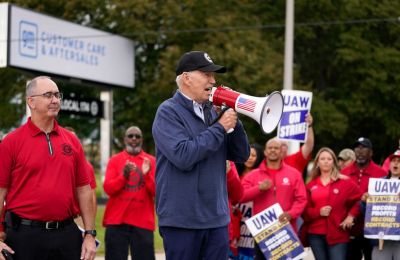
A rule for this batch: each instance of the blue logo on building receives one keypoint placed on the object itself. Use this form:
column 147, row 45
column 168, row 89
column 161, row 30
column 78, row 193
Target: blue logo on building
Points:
column 28, row 43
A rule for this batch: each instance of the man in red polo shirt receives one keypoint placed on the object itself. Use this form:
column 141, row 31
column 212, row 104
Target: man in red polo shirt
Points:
column 43, row 173
column 360, row 171
column 275, row 182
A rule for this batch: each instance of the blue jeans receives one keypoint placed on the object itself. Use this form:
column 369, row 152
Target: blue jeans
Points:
column 323, row 251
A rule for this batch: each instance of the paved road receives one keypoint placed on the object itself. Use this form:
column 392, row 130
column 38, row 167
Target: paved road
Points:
column 161, row 256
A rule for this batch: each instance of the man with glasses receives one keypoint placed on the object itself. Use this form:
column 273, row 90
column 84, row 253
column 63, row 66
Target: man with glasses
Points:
column 129, row 215
column 360, row 171
column 43, row 175
column 191, row 197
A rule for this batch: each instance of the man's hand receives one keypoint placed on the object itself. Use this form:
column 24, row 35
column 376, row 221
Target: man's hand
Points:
column 228, row 166
column 325, row 211
column 264, row 185
column 285, row 217
column 365, row 196
column 129, row 166
column 347, row 223
column 146, row 166
column 309, row 119
column 2, row 236
column 228, row 120
column 88, row 251
column 4, row 246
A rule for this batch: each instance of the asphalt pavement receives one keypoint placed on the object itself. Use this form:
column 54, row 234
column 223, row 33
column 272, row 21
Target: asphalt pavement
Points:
column 161, row 256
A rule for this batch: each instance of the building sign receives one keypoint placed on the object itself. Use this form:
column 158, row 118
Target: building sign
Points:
column 49, row 45
column 83, row 107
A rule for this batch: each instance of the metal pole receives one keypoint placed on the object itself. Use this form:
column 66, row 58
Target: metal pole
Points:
column 288, row 70
column 106, row 131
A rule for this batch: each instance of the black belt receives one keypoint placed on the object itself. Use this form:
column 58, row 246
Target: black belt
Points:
column 47, row 224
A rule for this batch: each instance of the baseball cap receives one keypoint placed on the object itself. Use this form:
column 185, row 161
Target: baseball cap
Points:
column 395, row 154
column 347, row 154
column 197, row 60
column 364, row 142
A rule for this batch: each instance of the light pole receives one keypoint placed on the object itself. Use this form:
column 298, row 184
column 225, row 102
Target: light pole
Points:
column 288, row 69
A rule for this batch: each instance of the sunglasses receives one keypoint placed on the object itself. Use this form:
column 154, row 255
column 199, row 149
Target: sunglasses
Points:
column 137, row 136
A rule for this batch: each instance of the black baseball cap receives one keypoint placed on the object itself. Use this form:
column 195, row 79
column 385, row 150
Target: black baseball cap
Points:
column 197, row 60
column 364, row 142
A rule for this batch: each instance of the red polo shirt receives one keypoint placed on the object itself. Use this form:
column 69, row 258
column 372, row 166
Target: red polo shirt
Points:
column 361, row 178
column 42, row 172
column 343, row 196
column 297, row 160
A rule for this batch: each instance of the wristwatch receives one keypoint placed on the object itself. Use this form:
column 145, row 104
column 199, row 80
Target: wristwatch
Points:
column 91, row 232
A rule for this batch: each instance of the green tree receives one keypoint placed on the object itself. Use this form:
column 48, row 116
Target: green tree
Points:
column 346, row 53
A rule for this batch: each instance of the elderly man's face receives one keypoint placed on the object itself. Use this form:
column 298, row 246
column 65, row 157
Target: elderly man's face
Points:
column 199, row 85
column 44, row 101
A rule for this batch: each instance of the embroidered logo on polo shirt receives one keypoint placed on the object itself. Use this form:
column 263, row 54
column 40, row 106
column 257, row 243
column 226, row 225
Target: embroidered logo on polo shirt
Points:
column 285, row 181
column 66, row 149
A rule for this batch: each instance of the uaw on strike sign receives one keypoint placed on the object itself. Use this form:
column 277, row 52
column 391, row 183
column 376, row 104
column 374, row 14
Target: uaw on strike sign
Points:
column 293, row 124
column 382, row 215
column 277, row 240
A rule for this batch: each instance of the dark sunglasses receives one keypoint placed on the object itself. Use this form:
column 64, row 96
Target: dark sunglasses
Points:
column 137, row 136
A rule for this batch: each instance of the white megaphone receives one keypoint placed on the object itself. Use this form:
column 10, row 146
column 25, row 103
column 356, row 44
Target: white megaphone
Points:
column 267, row 111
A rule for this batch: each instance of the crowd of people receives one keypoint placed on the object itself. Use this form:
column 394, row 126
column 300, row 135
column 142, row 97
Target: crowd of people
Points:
column 204, row 181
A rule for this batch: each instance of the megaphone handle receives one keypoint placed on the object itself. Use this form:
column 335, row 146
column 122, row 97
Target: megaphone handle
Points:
column 224, row 109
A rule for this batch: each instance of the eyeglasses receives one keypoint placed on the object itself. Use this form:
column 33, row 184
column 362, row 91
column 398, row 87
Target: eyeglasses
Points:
column 137, row 136
column 50, row 95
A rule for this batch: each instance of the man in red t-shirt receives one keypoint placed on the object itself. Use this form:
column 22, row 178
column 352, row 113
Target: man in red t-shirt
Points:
column 300, row 159
column 43, row 174
column 360, row 171
column 129, row 217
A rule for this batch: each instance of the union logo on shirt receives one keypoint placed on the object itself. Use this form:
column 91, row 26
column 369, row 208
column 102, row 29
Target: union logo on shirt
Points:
column 285, row 181
column 66, row 149
column 136, row 181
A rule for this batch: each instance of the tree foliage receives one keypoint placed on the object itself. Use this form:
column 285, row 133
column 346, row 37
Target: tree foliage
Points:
column 346, row 53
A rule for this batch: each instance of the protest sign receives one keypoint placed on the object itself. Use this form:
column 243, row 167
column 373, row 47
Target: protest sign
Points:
column 277, row 240
column 246, row 241
column 296, row 106
column 382, row 214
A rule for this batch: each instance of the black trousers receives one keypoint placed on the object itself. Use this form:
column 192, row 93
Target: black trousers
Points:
column 119, row 238
column 358, row 248
column 36, row 243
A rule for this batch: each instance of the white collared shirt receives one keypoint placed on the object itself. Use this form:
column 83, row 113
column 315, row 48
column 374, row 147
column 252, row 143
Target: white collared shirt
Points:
column 198, row 108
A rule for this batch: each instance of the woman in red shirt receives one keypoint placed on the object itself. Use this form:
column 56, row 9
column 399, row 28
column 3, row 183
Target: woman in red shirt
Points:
column 332, row 206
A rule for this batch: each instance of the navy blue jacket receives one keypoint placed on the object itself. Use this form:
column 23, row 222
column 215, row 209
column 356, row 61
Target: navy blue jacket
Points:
column 191, row 189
